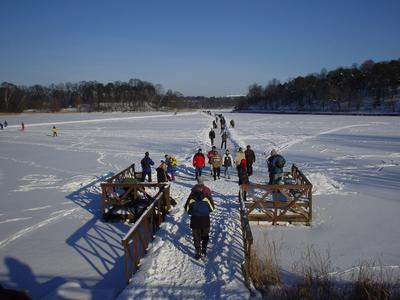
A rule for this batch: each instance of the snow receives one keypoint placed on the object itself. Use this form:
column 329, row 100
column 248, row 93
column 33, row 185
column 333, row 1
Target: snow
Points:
column 53, row 243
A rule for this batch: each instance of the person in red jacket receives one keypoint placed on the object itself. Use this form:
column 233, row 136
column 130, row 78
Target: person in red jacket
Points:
column 199, row 162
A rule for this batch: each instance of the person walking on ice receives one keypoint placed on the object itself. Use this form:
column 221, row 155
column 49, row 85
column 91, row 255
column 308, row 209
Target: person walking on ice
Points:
column 275, row 162
column 199, row 162
column 224, row 138
column 228, row 162
column 199, row 205
column 211, row 135
column 54, row 131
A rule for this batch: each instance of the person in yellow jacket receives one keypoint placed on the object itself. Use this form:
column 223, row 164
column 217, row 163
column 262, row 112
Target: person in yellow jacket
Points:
column 54, row 131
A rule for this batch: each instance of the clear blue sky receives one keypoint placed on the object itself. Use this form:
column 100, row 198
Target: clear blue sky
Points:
column 195, row 47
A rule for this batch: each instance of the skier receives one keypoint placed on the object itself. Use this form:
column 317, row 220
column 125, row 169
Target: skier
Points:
column 228, row 161
column 275, row 162
column 146, row 163
column 199, row 205
column 211, row 135
column 199, row 162
column 250, row 159
column 54, row 131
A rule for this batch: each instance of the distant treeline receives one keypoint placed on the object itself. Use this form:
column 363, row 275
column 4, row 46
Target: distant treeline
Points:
column 368, row 87
column 133, row 95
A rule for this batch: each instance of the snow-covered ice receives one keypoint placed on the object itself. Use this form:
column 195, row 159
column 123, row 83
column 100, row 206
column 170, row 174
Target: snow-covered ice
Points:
column 53, row 243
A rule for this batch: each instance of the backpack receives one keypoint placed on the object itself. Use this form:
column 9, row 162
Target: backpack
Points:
column 172, row 161
column 279, row 161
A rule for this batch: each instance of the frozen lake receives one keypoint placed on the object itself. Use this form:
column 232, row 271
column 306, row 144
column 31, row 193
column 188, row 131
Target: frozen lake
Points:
column 51, row 233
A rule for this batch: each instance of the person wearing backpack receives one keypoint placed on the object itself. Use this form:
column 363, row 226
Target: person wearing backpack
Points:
column 276, row 162
column 162, row 172
column 211, row 135
column 171, row 166
column 146, row 163
column 199, row 205
column 227, row 163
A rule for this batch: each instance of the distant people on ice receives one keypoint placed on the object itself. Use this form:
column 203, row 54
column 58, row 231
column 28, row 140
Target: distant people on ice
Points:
column 54, row 131
column 146, row 163
column 199, row 205
column 250, row 159
column 224, row 138
column 238, row 158
column 232, row 123
column 210, row 155
column 162, row 172
column 171, row 166
column 243, row 178
column 5, row 124
column 1, row 126
column 214, row 124
column 275, row 162
column 22, row 126
column 227, row 163
column 211, row 135
column 199, row 162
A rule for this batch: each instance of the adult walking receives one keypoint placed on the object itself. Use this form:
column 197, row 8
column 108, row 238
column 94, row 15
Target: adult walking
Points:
column 199, row 205
column 224, row 138
column 243, row 178
column 239, row 157
column 146, row 163
column 228, row 162
column 210, row 155
column 250, row 159
column 199, row 162
column 275, row 162
column 216, row 162
column 211, row 135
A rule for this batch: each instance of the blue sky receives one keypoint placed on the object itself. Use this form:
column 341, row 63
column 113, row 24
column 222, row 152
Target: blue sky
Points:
column 210, row 48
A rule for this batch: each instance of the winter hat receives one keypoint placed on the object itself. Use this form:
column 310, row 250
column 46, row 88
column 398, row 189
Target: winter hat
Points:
column 273, row 152
column 147, row 154
column 199, row 150
column 200, row 180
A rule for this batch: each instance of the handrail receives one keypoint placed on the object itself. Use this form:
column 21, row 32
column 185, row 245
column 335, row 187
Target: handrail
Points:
column 135, row 241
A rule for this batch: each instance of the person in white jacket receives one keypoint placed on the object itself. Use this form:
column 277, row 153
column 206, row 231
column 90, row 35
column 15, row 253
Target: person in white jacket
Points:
column 227, row 163
column 238, row 158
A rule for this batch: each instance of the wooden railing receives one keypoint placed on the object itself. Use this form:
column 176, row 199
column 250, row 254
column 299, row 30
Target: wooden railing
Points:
column 289, row 202
column 247, row 237
column 136, row 241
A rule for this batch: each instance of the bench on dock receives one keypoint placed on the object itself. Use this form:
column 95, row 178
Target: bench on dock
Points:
column 289, row 202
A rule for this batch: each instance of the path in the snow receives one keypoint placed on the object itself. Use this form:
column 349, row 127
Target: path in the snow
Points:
column 169, row 270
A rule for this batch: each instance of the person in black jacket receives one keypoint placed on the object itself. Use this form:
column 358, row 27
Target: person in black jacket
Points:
column 211, row 135
column 275, row 162
column 199, row 206
column 250, row 159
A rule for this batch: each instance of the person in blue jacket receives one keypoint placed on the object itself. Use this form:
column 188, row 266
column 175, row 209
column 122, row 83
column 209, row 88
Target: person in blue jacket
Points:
column 199, row 205
column 146, row 163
